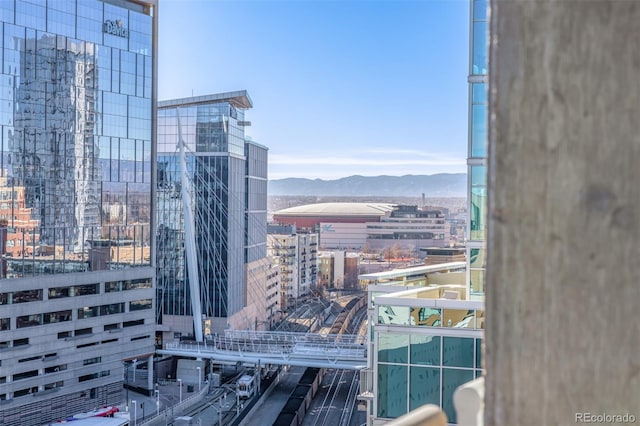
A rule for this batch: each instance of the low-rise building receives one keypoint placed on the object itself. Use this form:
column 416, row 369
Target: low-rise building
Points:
column 338, row 269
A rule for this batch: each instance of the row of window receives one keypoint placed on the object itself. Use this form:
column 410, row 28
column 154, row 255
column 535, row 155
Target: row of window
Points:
column 9, row 298
column 49, row 386
column 431, row 317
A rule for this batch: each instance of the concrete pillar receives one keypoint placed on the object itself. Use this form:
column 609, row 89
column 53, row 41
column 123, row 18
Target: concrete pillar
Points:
column 150, row 371
column 563, row 281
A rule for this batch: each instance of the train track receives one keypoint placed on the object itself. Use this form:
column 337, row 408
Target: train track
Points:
column 339, row 398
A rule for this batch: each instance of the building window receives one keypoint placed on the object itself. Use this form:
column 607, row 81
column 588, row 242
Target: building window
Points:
column 138, row 305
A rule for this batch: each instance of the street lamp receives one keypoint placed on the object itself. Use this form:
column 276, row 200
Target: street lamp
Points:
column 180, row 384
column 199, row 381
column 135, row 411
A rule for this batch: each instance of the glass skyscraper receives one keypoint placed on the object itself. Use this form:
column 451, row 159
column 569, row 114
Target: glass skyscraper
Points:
column 477, row 159
column 227, row 182
column 77, row 95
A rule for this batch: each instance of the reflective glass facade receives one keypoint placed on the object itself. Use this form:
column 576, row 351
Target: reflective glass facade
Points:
column 77, row 102
column 75, row 139
column 478, row 140
column 213, row 133
column 416, row 368
column 422, row 348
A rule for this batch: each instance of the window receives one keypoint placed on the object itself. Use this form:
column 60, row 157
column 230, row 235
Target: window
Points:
column 55, row 317
column 21, row 342
column 83, row 331
column 54, row 385
column 478, row 202
column 133, row 339
column 90, row 361
column 55, row 369
column 29, row 320
column 133, row 323
column 137, row 305
column 25, row 375
column 58, row 292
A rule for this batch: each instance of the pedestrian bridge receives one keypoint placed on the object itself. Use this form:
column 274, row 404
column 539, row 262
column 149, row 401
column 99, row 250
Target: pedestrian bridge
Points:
column 278, row 347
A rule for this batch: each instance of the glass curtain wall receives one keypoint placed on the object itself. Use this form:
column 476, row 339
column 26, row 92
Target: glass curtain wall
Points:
column 478, row 139
column 216, row 169
column 416, row 369
column 75, row 138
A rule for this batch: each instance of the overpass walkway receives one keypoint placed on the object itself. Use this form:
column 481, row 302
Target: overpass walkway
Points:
column 278, row 348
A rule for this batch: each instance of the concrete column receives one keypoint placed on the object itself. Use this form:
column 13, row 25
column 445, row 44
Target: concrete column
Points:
column 150, row 371
column 563, row 281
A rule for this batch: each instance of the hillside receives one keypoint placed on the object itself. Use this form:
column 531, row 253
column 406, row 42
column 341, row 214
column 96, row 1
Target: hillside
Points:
column 438, row 185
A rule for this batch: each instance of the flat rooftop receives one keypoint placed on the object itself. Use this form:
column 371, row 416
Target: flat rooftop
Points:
column 414, row 271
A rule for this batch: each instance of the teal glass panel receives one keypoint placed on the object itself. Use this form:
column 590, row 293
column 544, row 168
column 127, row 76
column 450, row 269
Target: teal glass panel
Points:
column 451, row 380
column 478, row 202
column 393, row 347
column 392, row 390
column 478, row 353
column 479, row 131
column 425, row 350
column 424, row 386
column 479, row 66
column 458, row 352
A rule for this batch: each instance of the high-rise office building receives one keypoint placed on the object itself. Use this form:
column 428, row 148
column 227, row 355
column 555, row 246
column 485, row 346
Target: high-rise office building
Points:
column 226, row 178
column 477, row 150
column 77, row 96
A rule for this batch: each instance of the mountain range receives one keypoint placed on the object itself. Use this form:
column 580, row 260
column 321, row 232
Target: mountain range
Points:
column 438, row 185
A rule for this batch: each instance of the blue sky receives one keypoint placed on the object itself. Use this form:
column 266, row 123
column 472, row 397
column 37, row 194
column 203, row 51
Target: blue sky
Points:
column 338, row 87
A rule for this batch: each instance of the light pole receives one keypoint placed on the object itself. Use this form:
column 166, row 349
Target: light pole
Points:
column 180, row 384
column 199, row 381
column 135, row 411
column 126, row 381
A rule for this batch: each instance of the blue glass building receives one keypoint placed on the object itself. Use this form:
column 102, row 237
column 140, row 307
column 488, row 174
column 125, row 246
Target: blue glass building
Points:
column 77, row 112
column 227, row 179
column 477, row 157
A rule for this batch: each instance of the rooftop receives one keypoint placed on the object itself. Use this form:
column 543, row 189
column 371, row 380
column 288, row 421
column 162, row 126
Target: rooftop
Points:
column 416, row 270
column 338, row 209
column 239, row 99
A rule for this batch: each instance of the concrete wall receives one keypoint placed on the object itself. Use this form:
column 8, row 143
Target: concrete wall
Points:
column 562, row 332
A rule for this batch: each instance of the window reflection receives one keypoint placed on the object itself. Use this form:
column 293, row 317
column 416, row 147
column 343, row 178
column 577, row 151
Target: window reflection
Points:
column 75, row 140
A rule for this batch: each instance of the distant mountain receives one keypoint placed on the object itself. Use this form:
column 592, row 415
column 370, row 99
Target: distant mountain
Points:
column 438, row 185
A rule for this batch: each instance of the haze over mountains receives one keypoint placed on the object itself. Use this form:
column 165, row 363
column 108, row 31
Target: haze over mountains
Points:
column 438, row 185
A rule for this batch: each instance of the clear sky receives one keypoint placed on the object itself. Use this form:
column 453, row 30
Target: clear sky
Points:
column 338, row 87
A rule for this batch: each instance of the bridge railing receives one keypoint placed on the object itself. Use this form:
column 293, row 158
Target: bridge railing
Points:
column 280, row 343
